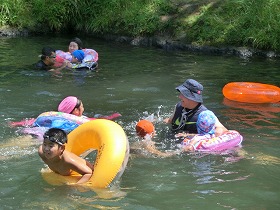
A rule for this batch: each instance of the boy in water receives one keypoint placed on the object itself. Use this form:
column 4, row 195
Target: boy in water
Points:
column 53, row 153
column 49, row 61
column 205, row 127
column 146, row 130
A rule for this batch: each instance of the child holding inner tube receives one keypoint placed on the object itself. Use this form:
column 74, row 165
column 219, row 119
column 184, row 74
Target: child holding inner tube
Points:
column 73, row 105
column 60, row 161
column 77, row 58
column 77, row 44
column 205, row 126
column 80, row 60
column 70, row 105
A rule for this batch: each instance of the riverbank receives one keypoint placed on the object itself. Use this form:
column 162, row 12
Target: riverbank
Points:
column 167, row 44
column 171, row 45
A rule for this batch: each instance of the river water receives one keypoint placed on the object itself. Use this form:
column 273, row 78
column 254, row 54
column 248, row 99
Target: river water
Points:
column 138, row 82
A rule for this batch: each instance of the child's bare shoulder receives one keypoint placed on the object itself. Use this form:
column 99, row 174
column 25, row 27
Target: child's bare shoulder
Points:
column 70, row 157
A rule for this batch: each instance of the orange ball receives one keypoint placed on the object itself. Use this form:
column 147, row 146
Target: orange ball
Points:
column 144, row 127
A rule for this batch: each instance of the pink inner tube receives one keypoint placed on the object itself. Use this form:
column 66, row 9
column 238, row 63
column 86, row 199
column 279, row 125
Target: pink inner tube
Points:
column 228, row 140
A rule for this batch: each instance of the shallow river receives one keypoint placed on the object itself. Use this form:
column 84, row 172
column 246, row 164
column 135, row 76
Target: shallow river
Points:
column 137, row 82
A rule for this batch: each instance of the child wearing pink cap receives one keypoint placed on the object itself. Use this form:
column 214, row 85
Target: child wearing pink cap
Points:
column 71, row 105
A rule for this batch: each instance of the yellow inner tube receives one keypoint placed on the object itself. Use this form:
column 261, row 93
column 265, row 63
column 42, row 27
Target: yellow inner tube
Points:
column 113, row 150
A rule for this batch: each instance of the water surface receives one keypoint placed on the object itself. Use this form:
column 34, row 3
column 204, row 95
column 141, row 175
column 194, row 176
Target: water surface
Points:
column 136, row 82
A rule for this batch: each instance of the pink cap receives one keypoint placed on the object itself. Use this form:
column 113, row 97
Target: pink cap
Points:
column 68, row 104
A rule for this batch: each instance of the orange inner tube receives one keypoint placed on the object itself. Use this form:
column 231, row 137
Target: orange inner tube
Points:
column 251, row 92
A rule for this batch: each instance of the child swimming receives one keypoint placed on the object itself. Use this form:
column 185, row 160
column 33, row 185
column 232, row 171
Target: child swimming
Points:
column 53, row 153
column 205, row 140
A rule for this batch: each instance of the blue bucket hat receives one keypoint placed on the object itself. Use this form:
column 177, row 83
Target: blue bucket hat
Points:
column 206, row 122
column 79, row 54
column 192, row 90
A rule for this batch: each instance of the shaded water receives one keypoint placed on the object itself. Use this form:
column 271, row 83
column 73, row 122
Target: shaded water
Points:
column 137, row 82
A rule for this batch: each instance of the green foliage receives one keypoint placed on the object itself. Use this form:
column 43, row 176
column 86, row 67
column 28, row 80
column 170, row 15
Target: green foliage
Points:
column 121, row 16
column 138, row 17
column 53, row 15
column 15, row 13
column 254, row 23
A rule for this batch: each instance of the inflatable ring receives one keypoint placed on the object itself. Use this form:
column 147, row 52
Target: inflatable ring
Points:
column 64, row 121
column 67, row 122
column 113, row 151
column 90, row 55
column 207, row 144
column 251, row 92
column 66, row 116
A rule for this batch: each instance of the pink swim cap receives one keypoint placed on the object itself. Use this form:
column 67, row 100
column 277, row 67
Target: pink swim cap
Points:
column 68, row 104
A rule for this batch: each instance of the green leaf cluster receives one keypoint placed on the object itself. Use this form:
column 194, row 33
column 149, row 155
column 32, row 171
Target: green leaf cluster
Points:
column 250, row 23
column 137, row 17
column 253, row 23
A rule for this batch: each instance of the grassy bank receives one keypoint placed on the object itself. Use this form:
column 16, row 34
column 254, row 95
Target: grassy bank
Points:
column 249, row 23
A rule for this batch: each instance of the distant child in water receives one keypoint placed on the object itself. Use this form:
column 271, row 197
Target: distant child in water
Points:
column 78, row 56
column 49, row 61
column 53, row 153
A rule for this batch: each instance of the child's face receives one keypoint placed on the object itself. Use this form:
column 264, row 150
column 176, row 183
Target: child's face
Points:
column 79, row 111
column 73, row 46
column 74, row 60
column 51, row 149
column 51, row 59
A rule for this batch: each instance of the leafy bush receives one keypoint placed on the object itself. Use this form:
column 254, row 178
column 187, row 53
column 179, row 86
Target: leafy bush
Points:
column 15, row 13
column 254, row 23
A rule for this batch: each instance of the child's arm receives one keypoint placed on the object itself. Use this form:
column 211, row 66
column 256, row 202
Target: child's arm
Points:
column 219, row 128
column 79, row 165
column 149, row 145
column 191, row 144
column 86, row 176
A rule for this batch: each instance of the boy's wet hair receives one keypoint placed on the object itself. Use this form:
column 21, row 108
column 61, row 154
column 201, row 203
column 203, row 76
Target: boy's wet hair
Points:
column 47, row 51
column 56, row 135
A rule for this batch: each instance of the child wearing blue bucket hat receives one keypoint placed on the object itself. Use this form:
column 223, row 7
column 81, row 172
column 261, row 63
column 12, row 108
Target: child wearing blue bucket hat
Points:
column 78, row 56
